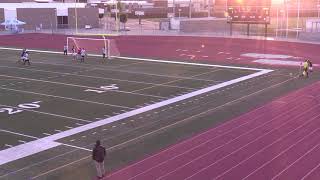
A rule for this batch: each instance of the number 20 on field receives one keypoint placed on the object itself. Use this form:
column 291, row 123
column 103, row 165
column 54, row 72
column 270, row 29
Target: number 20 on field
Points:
column 20, row 108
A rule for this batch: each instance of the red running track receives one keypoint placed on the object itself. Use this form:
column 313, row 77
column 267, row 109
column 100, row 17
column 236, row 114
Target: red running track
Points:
column 280, row 140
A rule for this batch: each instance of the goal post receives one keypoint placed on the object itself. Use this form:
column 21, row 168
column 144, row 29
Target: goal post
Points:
column 94, row 46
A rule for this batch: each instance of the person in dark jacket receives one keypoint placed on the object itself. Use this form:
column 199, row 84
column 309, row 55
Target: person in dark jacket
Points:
column 98, row 155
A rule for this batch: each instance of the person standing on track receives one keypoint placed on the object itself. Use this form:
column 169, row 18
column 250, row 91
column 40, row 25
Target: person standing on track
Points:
column 98, row 155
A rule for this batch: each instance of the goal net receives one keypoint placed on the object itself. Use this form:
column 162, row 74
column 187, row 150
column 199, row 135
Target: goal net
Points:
column 94, row 46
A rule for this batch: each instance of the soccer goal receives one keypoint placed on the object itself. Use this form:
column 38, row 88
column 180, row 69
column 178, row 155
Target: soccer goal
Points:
column 94, row 46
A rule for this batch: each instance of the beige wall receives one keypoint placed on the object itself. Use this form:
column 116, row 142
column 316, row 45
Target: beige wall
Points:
column 36, row 16
column 85, row 16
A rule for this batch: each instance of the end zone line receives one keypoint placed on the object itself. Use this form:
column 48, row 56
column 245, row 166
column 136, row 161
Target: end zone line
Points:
column 143, row 59
column 30, row 148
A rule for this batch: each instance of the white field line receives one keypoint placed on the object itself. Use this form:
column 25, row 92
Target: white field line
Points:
column 61, row 97
column 144, row 59
column 95, row 77
column 75, row 85
column 33, row 147
column 30, row 148
column 20, row 134
column 140, row 137
column 50, row 114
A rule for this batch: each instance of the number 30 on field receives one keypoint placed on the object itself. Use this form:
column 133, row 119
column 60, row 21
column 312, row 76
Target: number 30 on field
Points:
column 20, row 108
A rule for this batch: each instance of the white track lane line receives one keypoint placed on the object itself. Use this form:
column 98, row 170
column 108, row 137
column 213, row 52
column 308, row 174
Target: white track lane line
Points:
column 230, row 141
column 282, row 137
column 297, row 160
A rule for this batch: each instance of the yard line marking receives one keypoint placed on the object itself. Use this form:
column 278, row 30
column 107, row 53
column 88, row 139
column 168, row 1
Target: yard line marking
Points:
column 92, row 68
column 169, row 82
column 47, row 134
column 79, row 124
column 152, row 132
column 141, row 59
column 68, row 127
column 15, row 133
column 40, row 112
column 42, row 144
column 76, row 147
column 93, row 77
column 62, row 97
column 22, row 141
column 75, row 85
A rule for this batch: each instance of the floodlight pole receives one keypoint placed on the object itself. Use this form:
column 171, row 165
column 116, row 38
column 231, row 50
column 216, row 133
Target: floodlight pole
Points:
column 190, row 8
column 298, row 19
column 318, row 6
column 76, row 15
column 174, row 8
column 287, row 17
column 117, row 24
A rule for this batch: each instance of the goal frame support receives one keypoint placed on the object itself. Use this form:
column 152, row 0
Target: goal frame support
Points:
column 106, row 43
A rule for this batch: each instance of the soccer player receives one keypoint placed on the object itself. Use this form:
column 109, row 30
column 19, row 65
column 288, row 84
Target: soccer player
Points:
column 22, row 55
column 26, row 58
column 104, row 52
column 74, row 53
column 83, row 54
column 65, row 50
column 310, row 65
column 305, row 72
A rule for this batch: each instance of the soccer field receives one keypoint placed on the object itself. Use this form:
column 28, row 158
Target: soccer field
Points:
column 53, row 111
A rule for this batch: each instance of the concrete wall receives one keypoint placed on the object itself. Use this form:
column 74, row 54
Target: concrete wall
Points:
column 85, row 16
column 36, row 16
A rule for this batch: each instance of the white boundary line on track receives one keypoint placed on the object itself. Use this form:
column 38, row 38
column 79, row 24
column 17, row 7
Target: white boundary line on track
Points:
column 33, row 147
column 297, row 160
column 211, row 139
column 255, row 140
